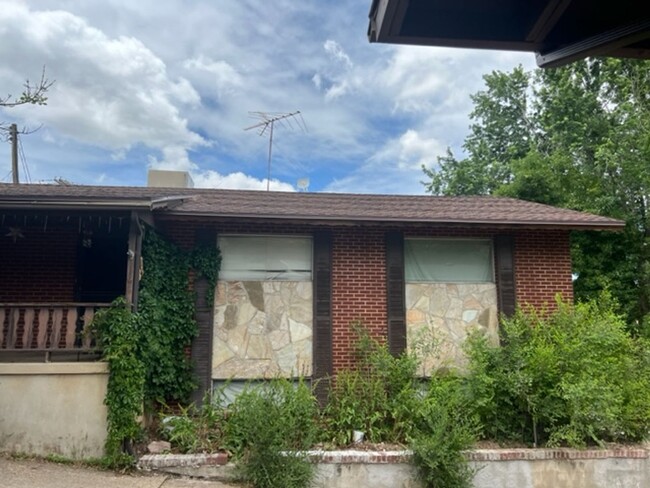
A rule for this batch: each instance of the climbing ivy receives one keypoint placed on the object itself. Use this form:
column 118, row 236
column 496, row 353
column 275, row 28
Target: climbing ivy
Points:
column 206, row 262
column 166, row 313
column 115, row 329
column 166, row 319
column 146, row 351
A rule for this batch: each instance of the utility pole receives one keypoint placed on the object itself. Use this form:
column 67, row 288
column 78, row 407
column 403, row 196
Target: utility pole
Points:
column 13, row 136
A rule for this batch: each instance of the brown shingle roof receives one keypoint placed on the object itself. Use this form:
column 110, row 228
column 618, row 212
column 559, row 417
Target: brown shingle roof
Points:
column 335, row 207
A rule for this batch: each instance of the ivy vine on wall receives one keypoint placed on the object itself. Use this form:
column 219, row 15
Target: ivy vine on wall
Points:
column 146, row 350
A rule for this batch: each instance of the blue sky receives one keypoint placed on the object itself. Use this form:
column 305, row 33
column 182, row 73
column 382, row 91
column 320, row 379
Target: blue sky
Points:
column 171, row 84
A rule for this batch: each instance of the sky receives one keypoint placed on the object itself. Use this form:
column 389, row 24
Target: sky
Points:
column 171, row 85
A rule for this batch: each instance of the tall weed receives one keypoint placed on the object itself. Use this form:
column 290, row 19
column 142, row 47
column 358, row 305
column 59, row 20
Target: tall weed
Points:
column 268, row 428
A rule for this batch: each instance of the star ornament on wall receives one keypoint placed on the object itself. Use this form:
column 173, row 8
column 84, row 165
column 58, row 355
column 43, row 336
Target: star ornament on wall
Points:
column 15, row 233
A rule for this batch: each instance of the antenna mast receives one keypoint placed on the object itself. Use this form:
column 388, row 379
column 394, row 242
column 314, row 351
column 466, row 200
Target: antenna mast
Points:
column 267, row 121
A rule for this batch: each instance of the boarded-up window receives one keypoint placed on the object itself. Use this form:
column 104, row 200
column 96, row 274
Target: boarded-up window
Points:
column 265, row 258
column 448, row 261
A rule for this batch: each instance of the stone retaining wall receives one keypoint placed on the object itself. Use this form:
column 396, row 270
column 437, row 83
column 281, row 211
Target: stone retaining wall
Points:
column 496, row 468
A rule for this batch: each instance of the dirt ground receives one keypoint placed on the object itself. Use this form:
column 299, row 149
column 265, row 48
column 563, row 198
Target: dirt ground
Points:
column 37, row 473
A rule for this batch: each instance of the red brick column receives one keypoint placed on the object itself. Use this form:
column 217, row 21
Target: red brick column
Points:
column 542, row 267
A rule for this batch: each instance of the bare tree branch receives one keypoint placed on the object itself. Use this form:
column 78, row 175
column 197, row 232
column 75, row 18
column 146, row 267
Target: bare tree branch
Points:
column 32, row 94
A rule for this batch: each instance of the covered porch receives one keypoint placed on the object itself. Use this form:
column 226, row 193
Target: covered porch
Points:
column 59, row 268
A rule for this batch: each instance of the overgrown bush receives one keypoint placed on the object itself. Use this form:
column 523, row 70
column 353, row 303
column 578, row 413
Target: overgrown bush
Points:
column 268, row 428
column 444, row 425
column 195, row 429
column 382, row 397
column 571, row 377
column 377, row 396
column 438, row 447
column 146, row 350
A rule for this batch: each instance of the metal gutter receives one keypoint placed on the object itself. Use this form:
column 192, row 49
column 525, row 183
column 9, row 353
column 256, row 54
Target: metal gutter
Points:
column 611, row 225
column 67, row 203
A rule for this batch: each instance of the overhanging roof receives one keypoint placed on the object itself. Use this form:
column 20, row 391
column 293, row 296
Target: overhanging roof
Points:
column 558, row 31
column 306, row 207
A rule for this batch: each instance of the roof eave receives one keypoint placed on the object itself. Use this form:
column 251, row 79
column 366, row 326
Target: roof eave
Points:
column 568, row 224
column 85, row 204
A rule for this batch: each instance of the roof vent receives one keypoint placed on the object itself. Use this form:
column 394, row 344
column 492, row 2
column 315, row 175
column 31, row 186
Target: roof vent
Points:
column 169, row 179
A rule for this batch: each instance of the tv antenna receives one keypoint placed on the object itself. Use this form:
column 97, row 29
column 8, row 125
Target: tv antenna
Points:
column 267, row 121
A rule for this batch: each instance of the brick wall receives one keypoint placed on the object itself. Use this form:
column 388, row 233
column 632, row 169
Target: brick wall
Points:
column 39, row 267
column 358, row 288
column 42, row 265
column 542, row 261
column 542, row 267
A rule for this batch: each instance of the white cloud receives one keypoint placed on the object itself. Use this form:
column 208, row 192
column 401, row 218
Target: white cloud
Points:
column 335, row 50
column 411, row 150
column 170, row 84
column 112, row 93
column 221, row 75
column 394, row 168
column 236, row 181
column 173, row 158
column 338, row 77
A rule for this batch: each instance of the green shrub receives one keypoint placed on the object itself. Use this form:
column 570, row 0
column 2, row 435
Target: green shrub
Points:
column 195, row 429
column 571, row 377
column 268, row 428
column 438, row 448
column 444, row 426
column 377, row 396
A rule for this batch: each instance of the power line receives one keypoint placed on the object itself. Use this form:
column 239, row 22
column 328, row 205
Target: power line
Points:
column 23, row 159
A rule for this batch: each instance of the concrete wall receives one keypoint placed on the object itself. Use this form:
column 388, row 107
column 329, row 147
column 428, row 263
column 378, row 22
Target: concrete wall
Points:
column 53, row 408
column 497, row 468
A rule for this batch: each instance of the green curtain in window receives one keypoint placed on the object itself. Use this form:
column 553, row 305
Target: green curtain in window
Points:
column 448, row 261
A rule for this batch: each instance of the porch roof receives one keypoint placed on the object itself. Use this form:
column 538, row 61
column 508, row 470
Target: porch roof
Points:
column 558, row 31
column 307, row 207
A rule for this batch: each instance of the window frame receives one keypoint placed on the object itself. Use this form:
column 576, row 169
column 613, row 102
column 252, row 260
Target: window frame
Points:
column 492, row 260
column 272, row 236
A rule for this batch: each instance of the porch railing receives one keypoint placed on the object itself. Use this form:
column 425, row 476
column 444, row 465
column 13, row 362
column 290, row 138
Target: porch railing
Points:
column 38, row 327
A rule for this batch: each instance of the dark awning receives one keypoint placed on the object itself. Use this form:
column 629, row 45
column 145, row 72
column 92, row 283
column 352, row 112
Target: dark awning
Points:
column 558, row 31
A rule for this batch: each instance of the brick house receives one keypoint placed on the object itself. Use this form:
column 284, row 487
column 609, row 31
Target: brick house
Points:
column 298, row 269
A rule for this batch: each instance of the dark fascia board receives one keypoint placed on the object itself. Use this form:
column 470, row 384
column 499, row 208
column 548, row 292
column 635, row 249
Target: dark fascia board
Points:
column 146, row 203
column 602, row 43
column 67, row 203
column 612, row 225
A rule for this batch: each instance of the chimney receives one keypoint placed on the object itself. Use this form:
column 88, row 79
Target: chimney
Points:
column 169, row 179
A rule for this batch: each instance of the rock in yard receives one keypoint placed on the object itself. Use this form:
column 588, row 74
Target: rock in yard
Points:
column 158, row 447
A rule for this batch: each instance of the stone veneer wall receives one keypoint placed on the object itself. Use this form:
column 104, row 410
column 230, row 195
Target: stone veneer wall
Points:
column 262, row 329
column 443, row 314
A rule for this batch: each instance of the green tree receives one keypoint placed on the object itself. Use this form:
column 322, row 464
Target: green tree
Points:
column 576, row 137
